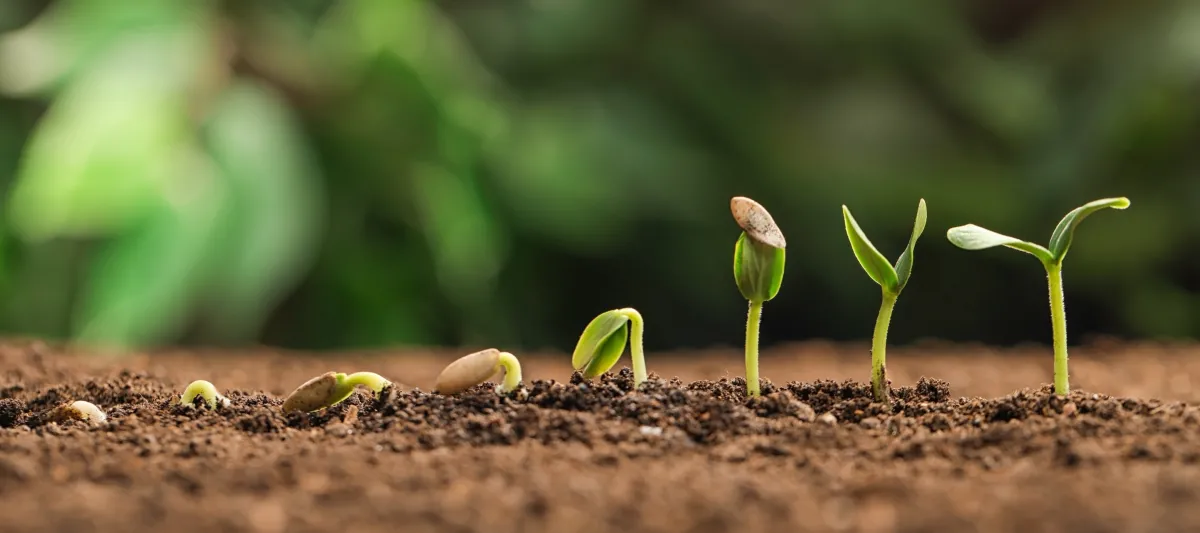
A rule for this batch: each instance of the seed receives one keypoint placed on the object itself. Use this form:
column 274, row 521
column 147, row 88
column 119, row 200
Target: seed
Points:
column 468, row 371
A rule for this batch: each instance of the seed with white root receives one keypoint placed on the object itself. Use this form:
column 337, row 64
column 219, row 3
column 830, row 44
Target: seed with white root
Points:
column 77, row 410
column 473, row 369
column 329, row 389
column 756, row 221
column 204, row 390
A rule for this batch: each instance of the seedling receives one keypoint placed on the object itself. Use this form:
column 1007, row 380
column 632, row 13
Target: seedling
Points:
column 204, row 390
column 603, row 341
column 758, row 261
column 330, row 388
column 892, row 280
column 972, row 237
column 472, row 369
column 77, row 410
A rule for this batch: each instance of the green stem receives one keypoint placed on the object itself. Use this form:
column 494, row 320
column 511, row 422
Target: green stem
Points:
column 753, row 317
column 512, row 372
column 347, row 383
column 1058, row 317
column 636, row 351
column 879, row 383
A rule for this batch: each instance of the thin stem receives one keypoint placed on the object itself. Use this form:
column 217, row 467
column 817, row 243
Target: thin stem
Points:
column 370, row 380
column 346, row 384
column 879, row 384
column 753, row 317
column 636, row 351
column 512, row 372
column 1058, row 318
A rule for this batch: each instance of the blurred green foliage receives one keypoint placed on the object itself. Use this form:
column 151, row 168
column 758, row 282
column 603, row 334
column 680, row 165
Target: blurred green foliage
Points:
column 355, row 173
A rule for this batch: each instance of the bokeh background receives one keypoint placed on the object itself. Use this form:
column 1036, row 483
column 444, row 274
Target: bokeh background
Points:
column 327, row 174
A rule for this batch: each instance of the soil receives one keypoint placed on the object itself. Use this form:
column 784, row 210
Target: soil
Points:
column 973, row 441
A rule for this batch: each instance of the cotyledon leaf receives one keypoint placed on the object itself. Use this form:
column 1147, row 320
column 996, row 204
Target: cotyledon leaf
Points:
column 972, row 237
column 904, row 264
column 1064, row 233
column 876, row 265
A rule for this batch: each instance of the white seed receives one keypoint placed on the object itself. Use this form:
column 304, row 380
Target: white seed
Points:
column 468, row 371
column 756, row 222
column 77, row 410
column 312, row 395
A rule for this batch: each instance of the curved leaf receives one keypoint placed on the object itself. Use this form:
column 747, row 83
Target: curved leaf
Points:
column 904, row 264
column 876, row 265
column 972, row 237
column 608, row 353
column 1060, row 240
column 758, row 268
column 596, row 338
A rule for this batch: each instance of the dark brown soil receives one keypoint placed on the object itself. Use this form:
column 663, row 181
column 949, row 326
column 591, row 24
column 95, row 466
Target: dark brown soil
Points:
column 688, row 454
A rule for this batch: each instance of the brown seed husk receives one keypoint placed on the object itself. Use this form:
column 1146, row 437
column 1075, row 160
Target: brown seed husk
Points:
column 468, row 371
column 756, row 222
column 312, row 395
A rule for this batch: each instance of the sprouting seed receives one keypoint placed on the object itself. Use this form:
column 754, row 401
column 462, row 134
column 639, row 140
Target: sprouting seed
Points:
column 475, row 368
column 77, row 410
column 205, row 390
column 892, row 280
column 330, row 388
column 972, row 237
column 603, row 341
column 758, row 263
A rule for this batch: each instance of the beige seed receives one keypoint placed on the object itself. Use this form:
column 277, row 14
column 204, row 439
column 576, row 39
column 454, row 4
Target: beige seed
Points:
column 312, row 395
column 468, row 371
column 77, row 410
column 756, row 222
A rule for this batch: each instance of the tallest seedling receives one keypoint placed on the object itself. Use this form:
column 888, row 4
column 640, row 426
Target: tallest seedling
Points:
column 758, row 259
column 892, row 280
column 972, row 237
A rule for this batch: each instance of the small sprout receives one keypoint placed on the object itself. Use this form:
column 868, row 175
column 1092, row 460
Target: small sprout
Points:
column 330, row 388
column 972, row 237
column 758, row 263
column 204, row 390
column 892, row 280
column 77, row 410
column 472, row 369
column 603, row 341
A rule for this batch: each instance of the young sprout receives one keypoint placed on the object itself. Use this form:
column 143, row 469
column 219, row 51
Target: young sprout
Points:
column 473, row 369
column 972, row 237
column 603, row 341
column 758, row 261
column 77, row 410
column 204, row 390
column 892, row 280
column 330, row 388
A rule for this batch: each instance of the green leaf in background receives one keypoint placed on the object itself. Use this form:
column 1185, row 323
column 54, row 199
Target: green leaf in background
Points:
column 141, row 286
column 972, row 237
column 101, row 157
column 1064, row 233
column 274, row 216
column 905, row 263
column 72, row 36
column 876, row 265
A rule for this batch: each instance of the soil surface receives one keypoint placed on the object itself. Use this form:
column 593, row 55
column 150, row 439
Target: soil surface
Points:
column 973, row 441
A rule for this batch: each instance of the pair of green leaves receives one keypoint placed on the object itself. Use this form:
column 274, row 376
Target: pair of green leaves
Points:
column 972, row 237
column 602, row 343
column 892, row 279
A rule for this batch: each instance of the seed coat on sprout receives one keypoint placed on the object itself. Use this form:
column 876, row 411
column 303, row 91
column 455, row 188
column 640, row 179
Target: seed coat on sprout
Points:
column 759, row 256
column 331, row 388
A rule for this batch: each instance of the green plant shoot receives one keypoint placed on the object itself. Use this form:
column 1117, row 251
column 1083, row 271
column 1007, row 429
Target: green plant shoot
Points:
column 603, row 341
column 972, row 237
column 758, row 264
column 330, row 389
column 892, row 280
column 204, row 390
column 475, row 368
